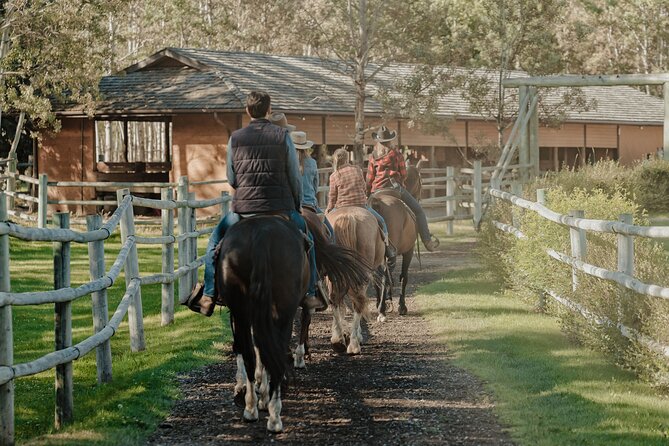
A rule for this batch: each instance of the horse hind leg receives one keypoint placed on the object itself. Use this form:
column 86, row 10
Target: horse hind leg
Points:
column 251, row 398
column 404, row 278
column 356, row 335
column 380, row 287
column 298, row 359
column 262, row 382
column 240, row 384
column 274, row 423
column 337, row 339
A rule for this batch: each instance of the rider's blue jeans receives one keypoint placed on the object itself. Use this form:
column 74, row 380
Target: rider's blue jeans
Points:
column 230, row 219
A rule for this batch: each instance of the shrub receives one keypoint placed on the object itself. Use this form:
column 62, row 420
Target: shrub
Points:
column 524, row 266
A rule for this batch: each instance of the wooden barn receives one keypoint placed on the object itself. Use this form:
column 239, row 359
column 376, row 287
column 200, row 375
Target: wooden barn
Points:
column 172, row 114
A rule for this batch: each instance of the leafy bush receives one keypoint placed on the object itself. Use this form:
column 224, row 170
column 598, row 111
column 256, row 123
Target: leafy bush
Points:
column 524, row 266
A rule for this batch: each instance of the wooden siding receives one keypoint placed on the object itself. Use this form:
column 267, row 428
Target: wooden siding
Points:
column 637, row 141
column 603, row 136
column 454, row 135
column 567, row 135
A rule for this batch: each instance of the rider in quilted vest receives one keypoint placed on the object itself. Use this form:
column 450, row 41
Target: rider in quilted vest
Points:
column 387, row 170
column 262, row 168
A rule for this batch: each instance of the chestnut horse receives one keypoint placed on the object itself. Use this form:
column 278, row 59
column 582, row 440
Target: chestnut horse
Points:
column 262, row 270
column 356, row 229
column 401, row 232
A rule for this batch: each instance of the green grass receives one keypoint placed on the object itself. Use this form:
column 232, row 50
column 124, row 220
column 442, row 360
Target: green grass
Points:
column 548, row 391
column 661, row 219
column 128, row 409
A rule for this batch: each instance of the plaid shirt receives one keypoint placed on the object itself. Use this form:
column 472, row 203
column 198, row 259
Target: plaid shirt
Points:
column 347, row 188
column 382, row 168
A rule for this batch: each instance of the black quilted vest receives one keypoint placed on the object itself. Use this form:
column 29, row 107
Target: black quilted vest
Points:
column 259, row 159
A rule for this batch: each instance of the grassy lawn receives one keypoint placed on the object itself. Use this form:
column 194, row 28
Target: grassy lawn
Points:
column 128, row 409
column 548, row 390
column 661, row 220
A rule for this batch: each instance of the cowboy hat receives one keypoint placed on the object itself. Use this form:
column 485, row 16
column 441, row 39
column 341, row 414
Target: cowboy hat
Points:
column 278, row 118
column 384, row 134
column 300, row 140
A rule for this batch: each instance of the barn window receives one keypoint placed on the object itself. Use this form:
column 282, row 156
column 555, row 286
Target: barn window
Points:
column 141, row 142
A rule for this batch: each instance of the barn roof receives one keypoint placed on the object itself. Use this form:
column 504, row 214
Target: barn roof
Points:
column 177, row 80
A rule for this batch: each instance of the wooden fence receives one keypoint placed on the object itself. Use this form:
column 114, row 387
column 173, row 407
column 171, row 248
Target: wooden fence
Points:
column 38, row 193
column 63, row 294
column 451, row 193
column 624, row 276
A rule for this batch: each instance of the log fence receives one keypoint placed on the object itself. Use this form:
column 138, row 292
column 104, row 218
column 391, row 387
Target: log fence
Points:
column 64, row 294
column 624, row 276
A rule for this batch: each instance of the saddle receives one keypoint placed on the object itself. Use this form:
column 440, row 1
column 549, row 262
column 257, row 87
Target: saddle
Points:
column 391, row 193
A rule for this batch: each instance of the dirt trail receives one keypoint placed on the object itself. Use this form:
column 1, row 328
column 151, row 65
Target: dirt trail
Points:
column 401, row 390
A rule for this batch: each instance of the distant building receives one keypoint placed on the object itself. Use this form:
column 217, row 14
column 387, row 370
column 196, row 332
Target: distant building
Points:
column 172, row 114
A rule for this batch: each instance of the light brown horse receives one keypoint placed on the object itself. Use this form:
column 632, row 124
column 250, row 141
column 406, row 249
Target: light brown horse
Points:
column 357, row 229
column 401, row 232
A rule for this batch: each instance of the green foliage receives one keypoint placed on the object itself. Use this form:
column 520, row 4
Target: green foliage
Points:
column 547, row 390
column 527, row 269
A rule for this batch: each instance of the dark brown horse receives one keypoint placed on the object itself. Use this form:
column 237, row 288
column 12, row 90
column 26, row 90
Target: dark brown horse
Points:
column 262, row 271
column 401, row 232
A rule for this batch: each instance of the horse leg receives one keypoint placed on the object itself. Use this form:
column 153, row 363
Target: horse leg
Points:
column 251, row 398
column 262, row 382
column 404, row 278
column 337, row 340
column 274, row 423
column 356, row 335
column 304, row 336
column 240, row 379
column 381, row 293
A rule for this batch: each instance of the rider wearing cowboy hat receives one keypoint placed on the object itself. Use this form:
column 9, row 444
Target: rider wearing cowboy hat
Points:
column 387, row 170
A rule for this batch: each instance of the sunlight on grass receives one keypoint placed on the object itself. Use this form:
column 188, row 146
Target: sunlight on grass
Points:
column 547, row 390
column 144, row 384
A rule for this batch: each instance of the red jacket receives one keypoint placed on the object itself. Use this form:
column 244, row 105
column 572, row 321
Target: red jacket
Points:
column 384, row 164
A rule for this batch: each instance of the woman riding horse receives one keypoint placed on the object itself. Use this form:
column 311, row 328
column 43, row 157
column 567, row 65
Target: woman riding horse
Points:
column 387, row 170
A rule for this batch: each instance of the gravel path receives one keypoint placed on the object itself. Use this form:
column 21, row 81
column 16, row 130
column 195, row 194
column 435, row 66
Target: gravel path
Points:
column 401, row 390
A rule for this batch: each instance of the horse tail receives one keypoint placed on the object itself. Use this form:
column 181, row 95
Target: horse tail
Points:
column 341, row 264
column 260, row 296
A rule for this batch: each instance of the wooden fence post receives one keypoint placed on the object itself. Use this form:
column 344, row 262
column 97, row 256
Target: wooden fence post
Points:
column 625, row 264
column 533, row 130
column 192, row 226
column 541, row 302
column 450, row 203
column 135, row 317
column 578, row 246
column 517, row 190
column 12, row 169
column 167, row 289
column 477, row 185
column 182, row 221
column 6, row 338
column 43, row 196
column 96, row 255
column 63, row 326
column 225, row 206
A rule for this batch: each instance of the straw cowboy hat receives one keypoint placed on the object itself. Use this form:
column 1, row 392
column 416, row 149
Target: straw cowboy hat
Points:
column 384, row 134
column 300, row 140
column 278, row 118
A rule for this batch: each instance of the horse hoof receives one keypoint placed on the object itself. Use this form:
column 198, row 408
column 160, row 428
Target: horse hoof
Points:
column 240, row 398
column 339, row 347
column 275, row 427
column 381, row 318
column 353, row 349
column 299, row 363
column 403, row 311
column 249, row 416
column 262, row 405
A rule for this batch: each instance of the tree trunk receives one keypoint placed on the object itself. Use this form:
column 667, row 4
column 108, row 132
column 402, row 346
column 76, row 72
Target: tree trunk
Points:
column 360, row 96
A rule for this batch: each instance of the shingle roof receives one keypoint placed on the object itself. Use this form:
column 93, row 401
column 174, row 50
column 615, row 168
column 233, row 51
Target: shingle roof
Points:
column 209, row 80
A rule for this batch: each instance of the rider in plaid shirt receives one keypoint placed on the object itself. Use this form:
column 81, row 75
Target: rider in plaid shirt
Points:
column 387, row 170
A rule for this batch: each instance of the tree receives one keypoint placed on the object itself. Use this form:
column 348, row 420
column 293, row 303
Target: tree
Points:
column 365, row 36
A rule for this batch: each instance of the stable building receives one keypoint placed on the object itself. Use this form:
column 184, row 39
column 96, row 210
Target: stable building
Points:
column 172, row 114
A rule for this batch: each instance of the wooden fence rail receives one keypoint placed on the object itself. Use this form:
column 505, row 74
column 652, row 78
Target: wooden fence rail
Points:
column 130, row 304
column 578, row 225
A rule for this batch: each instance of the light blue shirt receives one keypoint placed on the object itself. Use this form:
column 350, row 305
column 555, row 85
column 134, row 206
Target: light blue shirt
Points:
column 292, row 170
column 310, row 182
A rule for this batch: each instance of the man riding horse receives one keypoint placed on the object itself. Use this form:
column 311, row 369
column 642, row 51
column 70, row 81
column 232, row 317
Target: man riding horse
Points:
column 387, row 170
column 262, row 168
